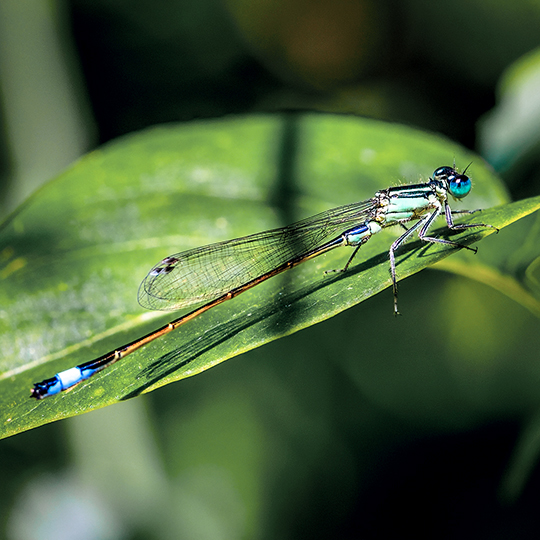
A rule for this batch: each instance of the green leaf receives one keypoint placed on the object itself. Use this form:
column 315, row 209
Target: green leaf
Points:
column 509, row 133
column 72, row 257
column 511, row 263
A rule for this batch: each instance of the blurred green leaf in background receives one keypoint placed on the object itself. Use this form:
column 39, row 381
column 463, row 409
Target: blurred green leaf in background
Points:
column 360, row 426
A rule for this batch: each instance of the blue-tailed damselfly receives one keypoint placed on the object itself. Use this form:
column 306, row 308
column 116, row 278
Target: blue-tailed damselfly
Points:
column 212, row 274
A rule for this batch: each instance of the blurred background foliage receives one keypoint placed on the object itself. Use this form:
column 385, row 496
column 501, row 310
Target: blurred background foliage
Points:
column 436, row 432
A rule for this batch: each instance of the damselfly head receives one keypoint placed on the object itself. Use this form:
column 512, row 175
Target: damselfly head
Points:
column 458, row 185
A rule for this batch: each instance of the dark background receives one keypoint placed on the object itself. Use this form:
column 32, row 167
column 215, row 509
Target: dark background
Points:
column 304, row 455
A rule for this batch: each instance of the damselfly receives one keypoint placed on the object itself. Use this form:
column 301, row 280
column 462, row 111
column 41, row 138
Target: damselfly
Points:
column 212, row 274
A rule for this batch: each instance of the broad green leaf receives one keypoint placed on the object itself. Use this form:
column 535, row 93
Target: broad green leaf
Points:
column 510, row 265
column 72, row 257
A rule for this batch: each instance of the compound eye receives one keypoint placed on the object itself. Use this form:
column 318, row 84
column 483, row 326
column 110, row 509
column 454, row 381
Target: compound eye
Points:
column 459, row 186
column 443, row 172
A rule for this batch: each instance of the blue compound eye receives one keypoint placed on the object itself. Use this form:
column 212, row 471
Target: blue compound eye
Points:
column 459, row 185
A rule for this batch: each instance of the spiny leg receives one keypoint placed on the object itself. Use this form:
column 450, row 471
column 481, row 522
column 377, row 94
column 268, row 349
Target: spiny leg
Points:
column 422, row 234
column 396, row 245
column 451, row 225
column 428, row 222
column 357, row 245
column 344, row 269
column 457, row 212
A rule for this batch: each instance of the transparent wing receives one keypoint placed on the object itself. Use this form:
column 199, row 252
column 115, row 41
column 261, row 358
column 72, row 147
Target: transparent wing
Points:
column 207, row 272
